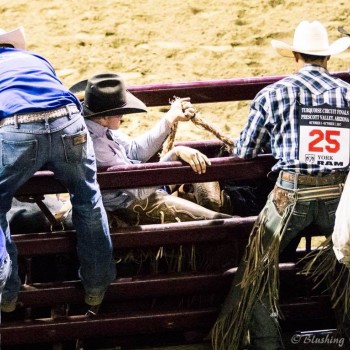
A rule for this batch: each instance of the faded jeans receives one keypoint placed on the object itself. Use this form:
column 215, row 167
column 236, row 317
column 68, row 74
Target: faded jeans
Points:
column 62, row 145
column 5, row 270
column 263, row 327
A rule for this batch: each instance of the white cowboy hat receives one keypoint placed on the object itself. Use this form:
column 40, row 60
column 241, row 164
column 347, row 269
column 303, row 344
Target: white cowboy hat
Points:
column 311, row 38
column 16, row 38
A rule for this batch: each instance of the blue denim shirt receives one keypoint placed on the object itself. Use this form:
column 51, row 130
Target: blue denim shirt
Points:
column 28, row 83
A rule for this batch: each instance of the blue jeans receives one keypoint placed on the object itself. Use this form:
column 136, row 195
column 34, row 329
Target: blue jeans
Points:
column 62, row 145
column 5, row 270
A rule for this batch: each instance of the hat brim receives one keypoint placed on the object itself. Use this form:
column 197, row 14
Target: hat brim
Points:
column 286, row 50
column 79, row 87
column 16, row 38
column 133, row 104
column 343, row 31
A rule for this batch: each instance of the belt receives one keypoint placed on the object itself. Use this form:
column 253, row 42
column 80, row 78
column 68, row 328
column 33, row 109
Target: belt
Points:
column 310, row 180
column 39, row 116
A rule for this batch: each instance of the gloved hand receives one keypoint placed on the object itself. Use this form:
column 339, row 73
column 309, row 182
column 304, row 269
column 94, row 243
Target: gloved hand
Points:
column 197, row 160
column 181, row 110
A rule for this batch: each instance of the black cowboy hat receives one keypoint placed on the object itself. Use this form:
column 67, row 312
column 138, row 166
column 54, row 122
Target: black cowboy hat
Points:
column 106, row 95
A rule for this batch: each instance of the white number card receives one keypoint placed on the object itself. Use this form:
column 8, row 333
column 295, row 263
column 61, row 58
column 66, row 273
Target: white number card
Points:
column 324, row 136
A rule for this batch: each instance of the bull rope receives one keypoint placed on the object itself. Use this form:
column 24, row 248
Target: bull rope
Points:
column 197, row 120
column 169, row 144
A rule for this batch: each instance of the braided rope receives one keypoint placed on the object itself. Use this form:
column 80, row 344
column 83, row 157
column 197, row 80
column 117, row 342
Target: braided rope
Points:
column 197, row 120
column 229, row 144
column 169, row 142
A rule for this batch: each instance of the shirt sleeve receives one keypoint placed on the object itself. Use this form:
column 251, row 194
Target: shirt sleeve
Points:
column 168, row 157
column 145, row 146
column 254, row 137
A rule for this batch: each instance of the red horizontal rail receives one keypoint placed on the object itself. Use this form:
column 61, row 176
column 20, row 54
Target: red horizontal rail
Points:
column 139, row 287
column 140, row 322
column 79, row 327
column 153, row 174
column 142, row 236
column 223, row 90
column 135, row 288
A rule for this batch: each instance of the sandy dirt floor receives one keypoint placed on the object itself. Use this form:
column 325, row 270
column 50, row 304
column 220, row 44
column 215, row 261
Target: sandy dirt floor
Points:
column 159, row 41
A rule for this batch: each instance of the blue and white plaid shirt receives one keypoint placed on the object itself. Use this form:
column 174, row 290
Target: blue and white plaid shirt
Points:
column 273, row 117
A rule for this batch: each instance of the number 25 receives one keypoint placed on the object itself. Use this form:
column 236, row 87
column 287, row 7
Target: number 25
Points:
column 332, row 146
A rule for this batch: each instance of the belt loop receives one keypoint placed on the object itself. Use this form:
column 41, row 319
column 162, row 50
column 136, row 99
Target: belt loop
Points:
column 68, row 112
column 15, row 119
column 296, row 179
column 279, row 178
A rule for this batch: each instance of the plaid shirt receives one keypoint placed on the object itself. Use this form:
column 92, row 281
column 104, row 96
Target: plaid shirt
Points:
column 273, row 117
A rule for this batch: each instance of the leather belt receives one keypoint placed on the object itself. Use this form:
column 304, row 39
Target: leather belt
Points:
column 39, row 116
column 309, row 180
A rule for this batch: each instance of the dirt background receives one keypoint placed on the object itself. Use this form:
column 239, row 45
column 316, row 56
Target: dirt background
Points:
column 159, row 41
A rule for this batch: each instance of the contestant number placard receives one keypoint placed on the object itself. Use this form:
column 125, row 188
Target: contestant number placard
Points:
column 324, row 136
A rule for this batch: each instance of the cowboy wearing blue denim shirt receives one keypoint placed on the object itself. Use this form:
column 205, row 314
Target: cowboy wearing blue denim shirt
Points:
column 305, row 120
column 41, row 127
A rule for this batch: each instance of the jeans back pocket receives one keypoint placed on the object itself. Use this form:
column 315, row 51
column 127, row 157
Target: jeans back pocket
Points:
column 75, row 146
column 19, row 154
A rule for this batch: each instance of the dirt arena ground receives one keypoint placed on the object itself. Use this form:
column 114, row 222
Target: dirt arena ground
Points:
column 158, row 41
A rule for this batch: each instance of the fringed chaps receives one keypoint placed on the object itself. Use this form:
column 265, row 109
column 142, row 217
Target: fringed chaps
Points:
column 261, row 275
column 322, row 267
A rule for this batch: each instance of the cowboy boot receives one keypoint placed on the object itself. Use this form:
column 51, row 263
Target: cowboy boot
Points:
column 210, row 196
column 161, row 207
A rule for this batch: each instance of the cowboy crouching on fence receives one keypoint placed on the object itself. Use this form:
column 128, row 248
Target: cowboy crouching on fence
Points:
column 41, row 126
column 106, row 100
column 312, row 164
